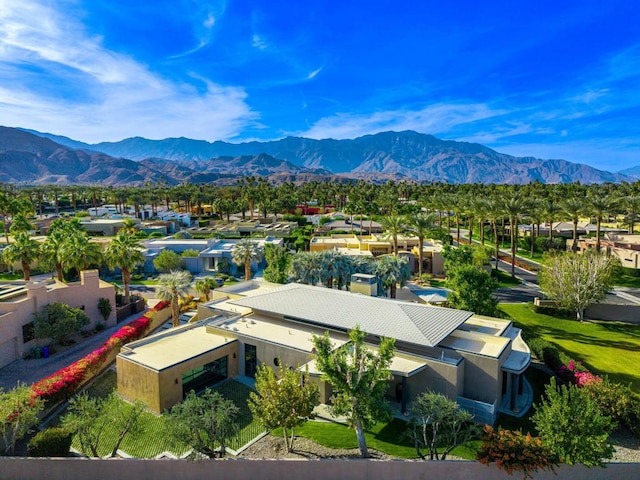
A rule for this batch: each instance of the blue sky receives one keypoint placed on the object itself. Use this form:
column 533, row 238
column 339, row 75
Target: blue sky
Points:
column 547, row 79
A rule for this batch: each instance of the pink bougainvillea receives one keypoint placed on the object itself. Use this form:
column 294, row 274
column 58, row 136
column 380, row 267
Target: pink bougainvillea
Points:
column 66, row 381
column 577, row 374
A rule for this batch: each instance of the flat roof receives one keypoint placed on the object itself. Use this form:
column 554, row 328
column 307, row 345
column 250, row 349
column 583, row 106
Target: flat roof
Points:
column 478, row 343
column 337, row 309
column 272, row 330
column 402, row 365
column 172, row 347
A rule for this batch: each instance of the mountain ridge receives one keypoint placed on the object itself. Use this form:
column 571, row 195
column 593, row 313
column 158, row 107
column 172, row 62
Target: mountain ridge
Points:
column 407, row 155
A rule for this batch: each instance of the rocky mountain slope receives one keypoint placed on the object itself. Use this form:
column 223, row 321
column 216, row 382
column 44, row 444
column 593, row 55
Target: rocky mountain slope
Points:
column 389, row 155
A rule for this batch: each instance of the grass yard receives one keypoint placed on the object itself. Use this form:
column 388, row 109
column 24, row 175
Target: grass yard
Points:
column 391, row 438
column 153, row 439
column 504, row 279
column 606, row 348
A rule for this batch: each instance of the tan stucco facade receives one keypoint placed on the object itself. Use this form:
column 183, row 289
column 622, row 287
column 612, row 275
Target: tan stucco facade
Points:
column 18, row 311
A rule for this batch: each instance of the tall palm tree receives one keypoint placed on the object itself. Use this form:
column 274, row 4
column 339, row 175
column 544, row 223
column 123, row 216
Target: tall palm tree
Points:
column 124, row 252
column 79, row 252
column 25, row 250
column 513, row 207
column 244, row 252
column 393, row 226
column 392, row 270
column 172, row 287
column 56, row 250
column 307, row 267
column 552, row 210
column 419, row 225
column 495, row 212
column 572, row 208
column 599, row 206
column 204, row 286
column 631, row 204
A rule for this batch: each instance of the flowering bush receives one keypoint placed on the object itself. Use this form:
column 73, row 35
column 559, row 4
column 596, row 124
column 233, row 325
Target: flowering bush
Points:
column 576, row 373
column 66, row 381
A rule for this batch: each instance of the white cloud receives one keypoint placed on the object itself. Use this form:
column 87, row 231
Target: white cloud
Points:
column 259, row 42
column 118, row 96
column 313, row 74
column 433, row 119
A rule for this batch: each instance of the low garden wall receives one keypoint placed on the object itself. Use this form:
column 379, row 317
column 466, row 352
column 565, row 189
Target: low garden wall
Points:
column 603, row 311
column 14, row 468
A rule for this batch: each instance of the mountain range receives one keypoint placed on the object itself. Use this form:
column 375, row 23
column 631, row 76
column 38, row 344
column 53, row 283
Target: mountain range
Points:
column 27, row 156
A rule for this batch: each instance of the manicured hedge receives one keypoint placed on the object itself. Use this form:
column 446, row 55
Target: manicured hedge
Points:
column 52, row 442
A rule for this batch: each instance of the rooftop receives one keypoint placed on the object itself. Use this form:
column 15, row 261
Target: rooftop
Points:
column 329, row 308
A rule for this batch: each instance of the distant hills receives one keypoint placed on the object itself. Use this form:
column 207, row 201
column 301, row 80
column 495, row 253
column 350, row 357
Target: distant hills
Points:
column 633, row 172
column 28, row 156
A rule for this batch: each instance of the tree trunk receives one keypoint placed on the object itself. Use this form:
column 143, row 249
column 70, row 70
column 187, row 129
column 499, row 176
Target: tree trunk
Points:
column 495, row 234
column 392, row 290
column 247, row 269
column 580, row 314
column 421, row 247
column 126, row 279
column 362, row 442
column 175, row 311
column 59, row 272
column 574, row 246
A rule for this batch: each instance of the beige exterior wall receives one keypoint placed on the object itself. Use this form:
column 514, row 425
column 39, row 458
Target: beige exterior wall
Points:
column 438, row 377
column 14, row 314
column 483, row 377
column 162, row 390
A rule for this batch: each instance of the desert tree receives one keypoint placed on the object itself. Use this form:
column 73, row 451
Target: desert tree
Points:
column 359, row 376
column 575, row 281
column 167, row 261
column 284, row 401
column 206, row 422
column 18, row 414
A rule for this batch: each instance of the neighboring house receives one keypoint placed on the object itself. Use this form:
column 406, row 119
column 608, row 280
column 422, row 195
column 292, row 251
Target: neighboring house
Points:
column 19, row 300
column 477, row 361
column 107, row 227
column 376, row 245
column 247, row 228
column 211, row 252
column 624, row 247
column 564, row 229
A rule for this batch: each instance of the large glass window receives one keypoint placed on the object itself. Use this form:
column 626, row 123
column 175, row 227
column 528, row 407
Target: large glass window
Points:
column 250, row 360
column 202, row 377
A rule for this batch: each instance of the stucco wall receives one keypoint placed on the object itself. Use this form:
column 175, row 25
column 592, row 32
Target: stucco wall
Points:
column 63, row 469
column 482, row 378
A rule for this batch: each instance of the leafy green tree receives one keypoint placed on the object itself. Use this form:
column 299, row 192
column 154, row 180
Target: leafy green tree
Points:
column 124, row 252
column 90, row 417
column 172, row 287
column 278, row 261
column 244, row 252
column 472, row 290
column 575, row 281
column 439, row 423
column 203, row 286
column 18, row 414
column 359, row 377
column 25, row 250
column 205, row 422
column 572, row 426
column 59, row 321
column 167, row 261
column 286, row 400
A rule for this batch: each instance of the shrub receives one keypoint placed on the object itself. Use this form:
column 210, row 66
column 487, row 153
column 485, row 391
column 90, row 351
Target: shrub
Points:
column 190, row 252
column 513, row 451
column 615, row 400
column 52, row 442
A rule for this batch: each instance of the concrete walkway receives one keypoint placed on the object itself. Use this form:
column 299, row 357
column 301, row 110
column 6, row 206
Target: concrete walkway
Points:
column 31, row 371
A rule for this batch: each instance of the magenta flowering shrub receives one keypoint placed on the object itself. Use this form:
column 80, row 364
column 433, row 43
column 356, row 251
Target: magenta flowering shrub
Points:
column 576, row 373
column 66, row 381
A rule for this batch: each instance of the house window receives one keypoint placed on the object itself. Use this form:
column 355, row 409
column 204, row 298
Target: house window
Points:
column 208, row 374
column 28, row 332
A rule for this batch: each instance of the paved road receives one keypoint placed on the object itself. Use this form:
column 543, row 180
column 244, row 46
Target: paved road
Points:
column 30, row 371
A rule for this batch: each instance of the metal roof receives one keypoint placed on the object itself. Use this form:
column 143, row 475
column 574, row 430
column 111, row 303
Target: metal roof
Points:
column 408, row 322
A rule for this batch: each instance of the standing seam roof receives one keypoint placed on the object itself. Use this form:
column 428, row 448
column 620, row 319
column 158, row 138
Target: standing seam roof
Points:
column 413, row 323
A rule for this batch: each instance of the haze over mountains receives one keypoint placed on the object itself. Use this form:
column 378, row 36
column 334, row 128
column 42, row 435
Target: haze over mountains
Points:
column 37, row 158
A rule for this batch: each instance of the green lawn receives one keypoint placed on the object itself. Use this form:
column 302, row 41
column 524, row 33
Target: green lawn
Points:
column 11, row 276
column 625, row 280
column 391, row 438
column 153, row 439
column 504, row 279
column 611, row 348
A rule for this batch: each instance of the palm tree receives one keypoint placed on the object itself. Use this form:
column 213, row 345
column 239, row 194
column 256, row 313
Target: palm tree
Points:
column 392, row 270
column 394, row 225
column 57, row 250
column 494, row 214
column 124, row 252
column 129, row 226
column 25, row 250
column 245, row 252
column 172, row 287
column 572, row 209
column 79, row 252
column 204, row 286
column 307, row 267
column 513, row 207
column 551, row 210
column 419, row 225
column 599, row 206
